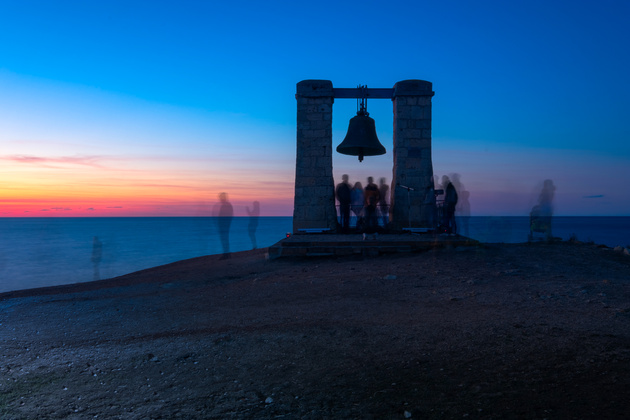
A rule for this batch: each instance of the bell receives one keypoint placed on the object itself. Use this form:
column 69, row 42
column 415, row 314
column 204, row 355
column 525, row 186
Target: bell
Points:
column 361, row 137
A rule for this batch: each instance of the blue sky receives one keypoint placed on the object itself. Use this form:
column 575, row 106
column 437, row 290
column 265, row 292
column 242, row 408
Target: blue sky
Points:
column 153, row 108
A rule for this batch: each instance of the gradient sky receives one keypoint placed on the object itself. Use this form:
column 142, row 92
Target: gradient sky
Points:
column 152, row 108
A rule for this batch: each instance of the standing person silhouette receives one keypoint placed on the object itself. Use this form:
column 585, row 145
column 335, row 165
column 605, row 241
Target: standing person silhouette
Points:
column 450, row 201
column 224, row 212
column 343, row 196
column 370, row 196
column 370, row 190
column 370, row 219
column 253, row 221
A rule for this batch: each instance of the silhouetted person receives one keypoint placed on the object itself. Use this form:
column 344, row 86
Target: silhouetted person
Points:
column 254, row 213
column 224, row 212
column 370, row 218
column 371, row 190
column 450, row 201
column 383, row 191
column 356, row 200
column 97, row 256
column 343, row 196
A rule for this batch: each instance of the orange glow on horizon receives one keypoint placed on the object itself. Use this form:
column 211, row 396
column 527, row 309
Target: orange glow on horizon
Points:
column 140, row 208
column 145, row 200
column 31, row 190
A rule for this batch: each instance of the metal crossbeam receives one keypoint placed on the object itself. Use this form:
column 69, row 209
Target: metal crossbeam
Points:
column 359, row 93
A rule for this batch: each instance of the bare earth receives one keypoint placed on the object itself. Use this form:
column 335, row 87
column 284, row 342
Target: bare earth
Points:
column 498, row 331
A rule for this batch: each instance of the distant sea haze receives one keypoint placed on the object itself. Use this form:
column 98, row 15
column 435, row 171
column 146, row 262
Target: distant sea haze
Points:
column 38, row 252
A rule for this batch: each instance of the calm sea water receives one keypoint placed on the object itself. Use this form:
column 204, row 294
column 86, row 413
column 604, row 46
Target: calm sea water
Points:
column 36, row 252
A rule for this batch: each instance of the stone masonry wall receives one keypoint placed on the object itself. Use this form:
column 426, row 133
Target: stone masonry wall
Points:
column 314, row 203
column 413, row 166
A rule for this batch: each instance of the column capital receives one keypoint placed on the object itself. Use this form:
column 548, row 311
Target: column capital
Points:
column 413, row 88
column 314, row 88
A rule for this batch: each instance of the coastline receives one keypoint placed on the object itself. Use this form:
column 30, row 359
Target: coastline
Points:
column 39, row 252
column 538, row 330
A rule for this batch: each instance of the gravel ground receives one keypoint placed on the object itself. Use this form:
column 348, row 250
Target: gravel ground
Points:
column 495, row 331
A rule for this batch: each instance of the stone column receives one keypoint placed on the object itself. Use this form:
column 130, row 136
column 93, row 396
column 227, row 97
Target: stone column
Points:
column 413, row 166
column 314, row 203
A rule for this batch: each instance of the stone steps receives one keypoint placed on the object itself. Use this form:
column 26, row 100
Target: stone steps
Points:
column 344, row 245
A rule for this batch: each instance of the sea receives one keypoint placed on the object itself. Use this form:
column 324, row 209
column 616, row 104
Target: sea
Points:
column 40, row 252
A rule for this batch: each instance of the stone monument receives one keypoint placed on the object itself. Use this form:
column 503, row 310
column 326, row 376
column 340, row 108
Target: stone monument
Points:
column 412, row 197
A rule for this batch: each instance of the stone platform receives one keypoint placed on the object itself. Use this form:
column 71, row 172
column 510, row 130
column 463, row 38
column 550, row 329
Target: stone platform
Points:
column 326, row 244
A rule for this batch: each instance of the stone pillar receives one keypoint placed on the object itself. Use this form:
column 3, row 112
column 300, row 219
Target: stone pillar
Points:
column 413, row 166
column 314, row 203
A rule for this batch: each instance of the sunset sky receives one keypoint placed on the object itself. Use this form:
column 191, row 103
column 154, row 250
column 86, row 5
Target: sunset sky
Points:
column 152, row 108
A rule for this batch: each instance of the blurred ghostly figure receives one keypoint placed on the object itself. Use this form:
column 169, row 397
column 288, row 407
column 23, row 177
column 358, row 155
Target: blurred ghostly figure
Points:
column 356, row 199
column 97, row 256
column 370, row 218
column 223, row 212
column 439, row 191
column 463, row 204
column 343, row 196
column 464, row 211
column 383, row 190
column 438, row 211
column 540, row 216
column 253, row 221
column 545, row 200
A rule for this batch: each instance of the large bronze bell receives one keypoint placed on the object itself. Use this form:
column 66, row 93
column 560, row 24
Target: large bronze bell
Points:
column 361, row 137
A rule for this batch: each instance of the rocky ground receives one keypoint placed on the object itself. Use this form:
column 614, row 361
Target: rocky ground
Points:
column 496, row 331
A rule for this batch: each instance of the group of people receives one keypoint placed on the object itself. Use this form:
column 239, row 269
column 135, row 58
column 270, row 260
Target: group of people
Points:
column 367, row 203
column 370, row 204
